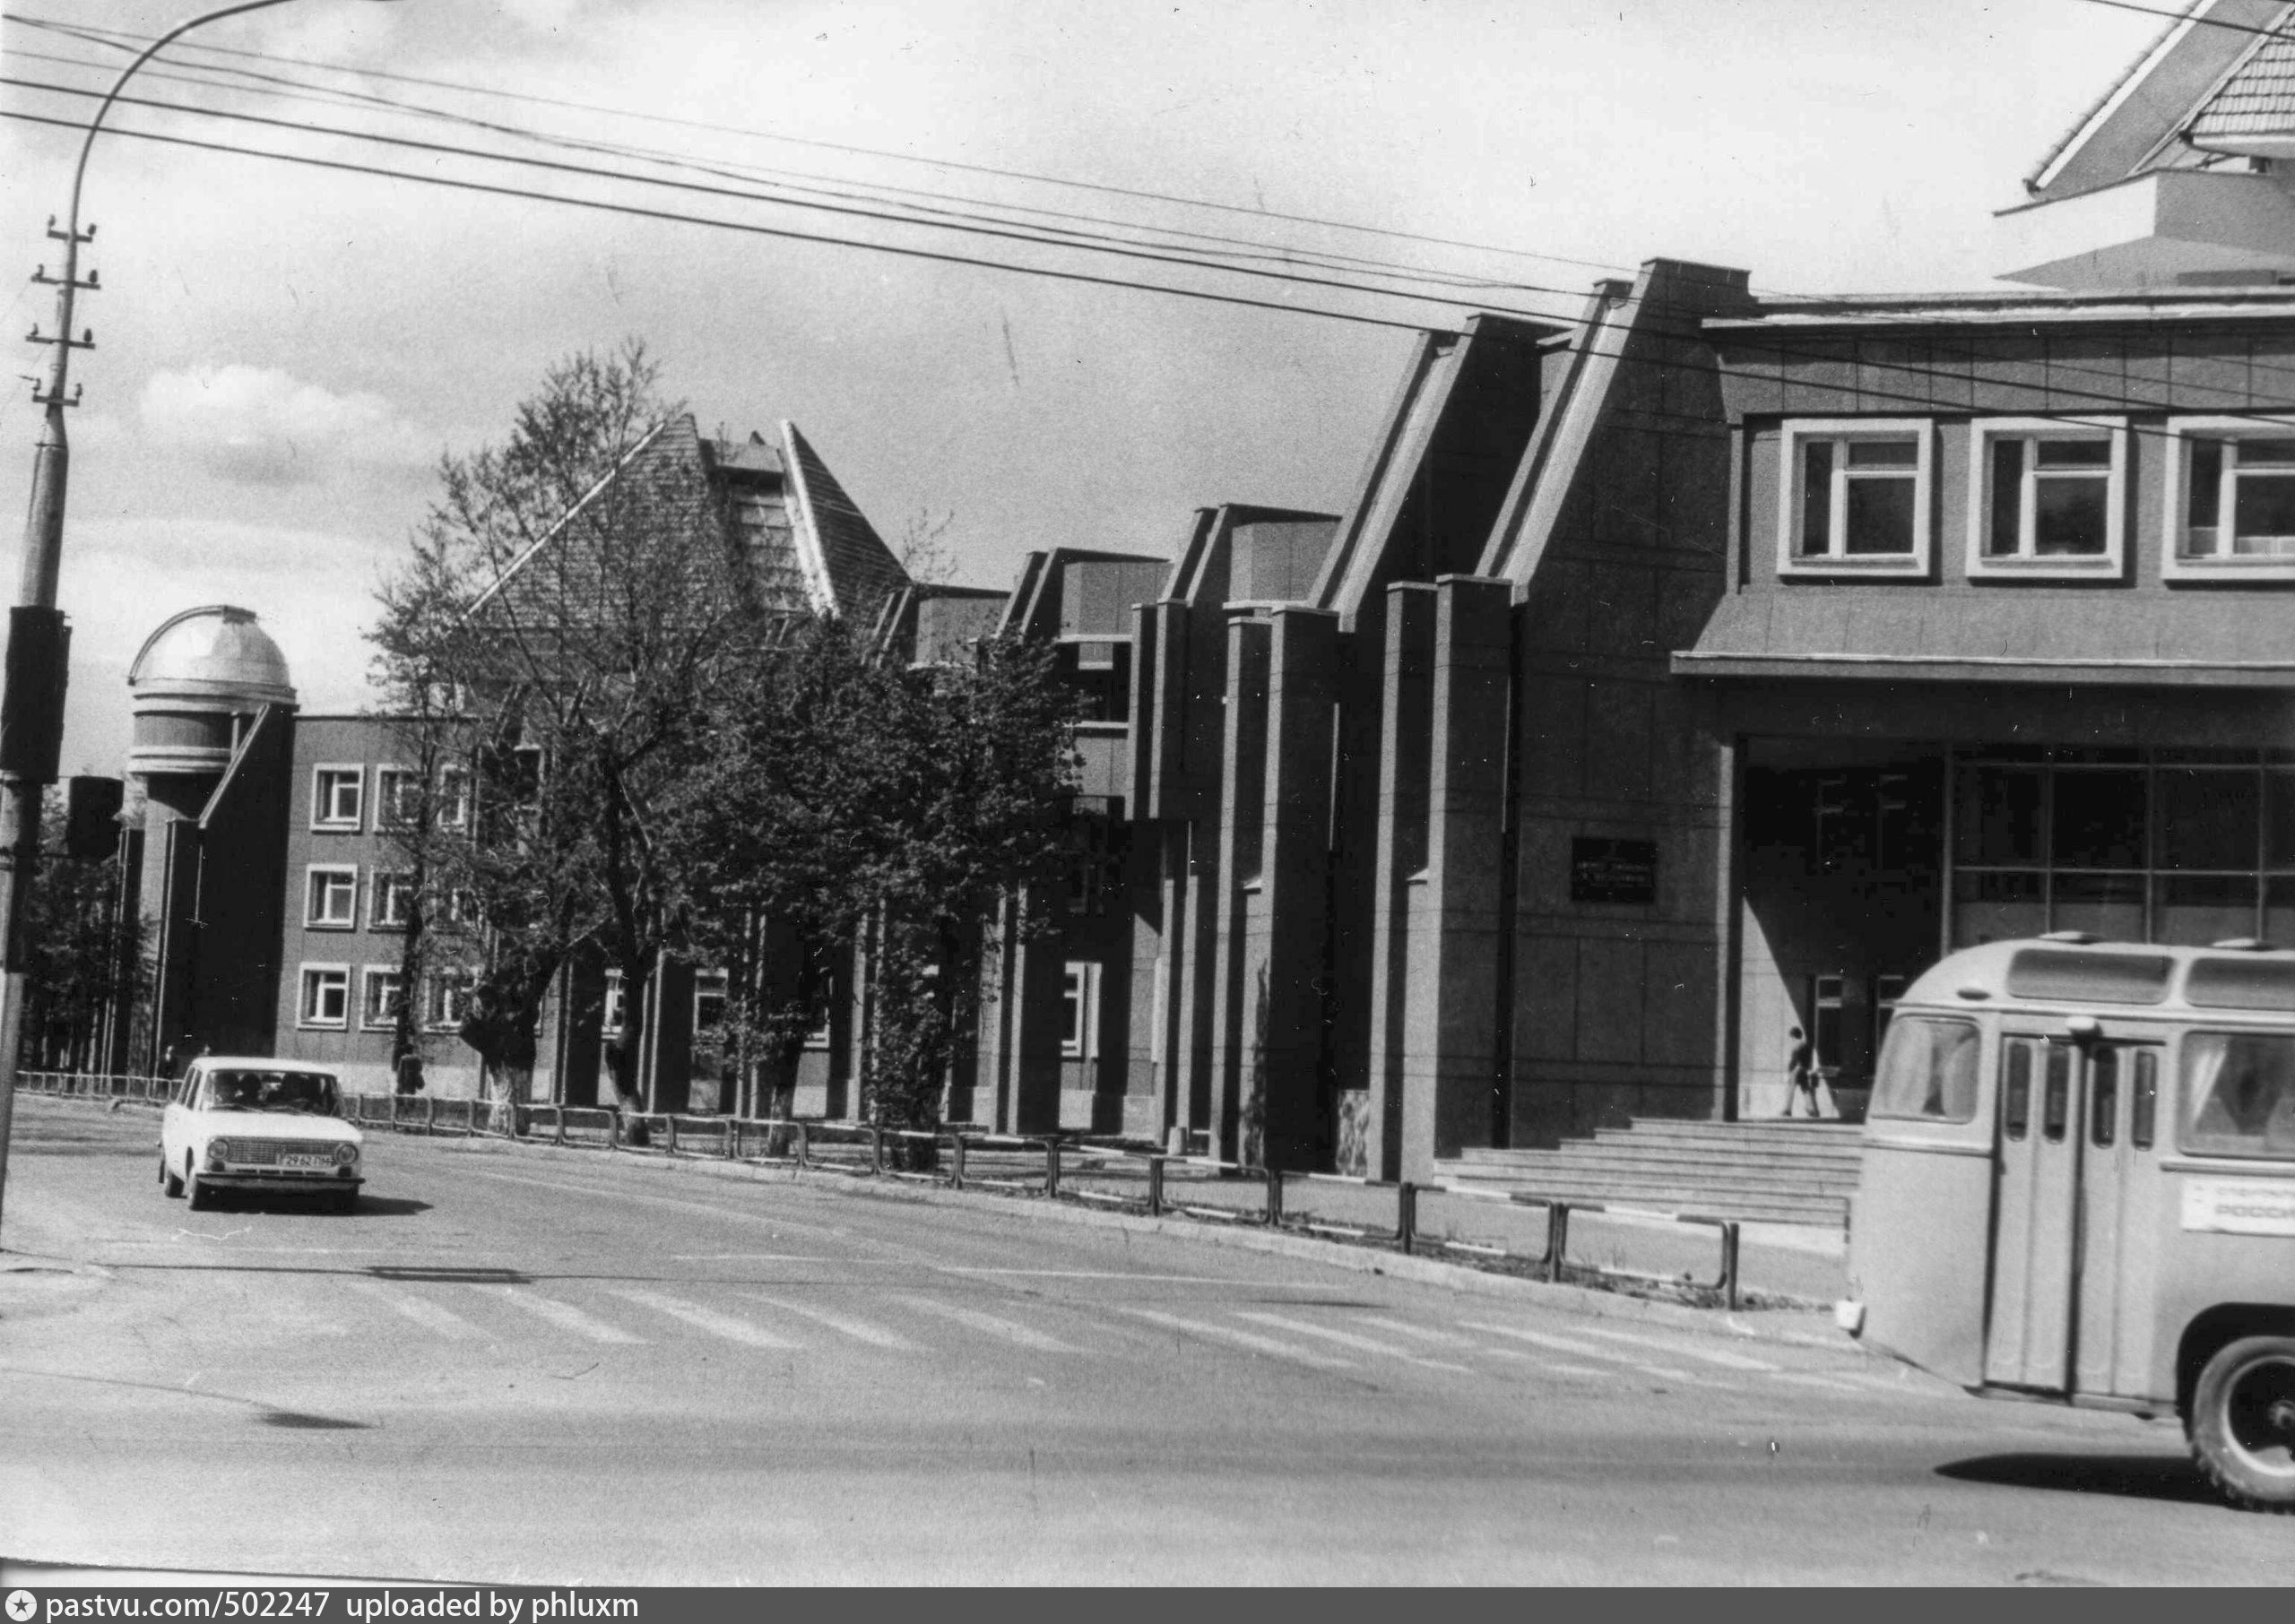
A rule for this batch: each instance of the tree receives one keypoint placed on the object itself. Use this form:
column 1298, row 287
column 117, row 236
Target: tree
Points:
column 857, row 803
column 86, row 954
column 573, row 607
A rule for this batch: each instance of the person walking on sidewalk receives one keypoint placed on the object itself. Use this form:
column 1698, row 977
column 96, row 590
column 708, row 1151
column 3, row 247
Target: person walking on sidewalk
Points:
column 1800, row 1072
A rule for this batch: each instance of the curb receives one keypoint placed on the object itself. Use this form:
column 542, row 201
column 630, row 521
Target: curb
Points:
column 1583, row 1300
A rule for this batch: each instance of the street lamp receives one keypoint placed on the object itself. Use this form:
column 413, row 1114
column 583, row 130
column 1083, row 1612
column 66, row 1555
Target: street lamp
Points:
column 32, row 688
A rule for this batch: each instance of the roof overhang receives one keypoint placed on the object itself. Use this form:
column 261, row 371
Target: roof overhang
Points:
column 2150, row 231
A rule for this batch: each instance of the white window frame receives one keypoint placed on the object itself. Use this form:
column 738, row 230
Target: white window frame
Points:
column 312, row 976
column 1080, row 990
column 453, row 987
column 1793, row 437
column 707, row 983
column 412, row 780
column 2024, row 565
column 379, row 889
column 323, row 818
column 454, row 798
column 2175, row 563
column 369, row 1019
column 613, row 1007
column 312, row 874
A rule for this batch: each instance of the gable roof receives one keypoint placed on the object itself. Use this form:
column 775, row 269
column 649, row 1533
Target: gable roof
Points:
column 809, row 546
column 2214, row 64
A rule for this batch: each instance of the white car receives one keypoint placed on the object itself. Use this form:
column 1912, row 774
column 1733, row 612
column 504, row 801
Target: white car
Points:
column 246, row 1123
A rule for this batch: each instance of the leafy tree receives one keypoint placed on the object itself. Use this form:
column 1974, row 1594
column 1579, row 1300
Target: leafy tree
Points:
column 855, row 802
column 86, row 957
column 573, row 606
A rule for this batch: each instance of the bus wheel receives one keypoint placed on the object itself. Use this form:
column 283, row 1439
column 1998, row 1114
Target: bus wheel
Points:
column 2243, row 1423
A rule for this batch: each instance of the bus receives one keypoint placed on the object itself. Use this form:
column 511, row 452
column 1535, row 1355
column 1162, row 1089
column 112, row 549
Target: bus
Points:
column 2079, row 1189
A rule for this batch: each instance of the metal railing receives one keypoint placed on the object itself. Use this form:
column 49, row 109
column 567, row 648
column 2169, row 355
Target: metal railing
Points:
column 963, row 1156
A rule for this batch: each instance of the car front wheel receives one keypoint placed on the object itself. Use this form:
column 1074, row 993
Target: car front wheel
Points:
column 2242, row 1422
column 195, row 1189
column 169, row 1184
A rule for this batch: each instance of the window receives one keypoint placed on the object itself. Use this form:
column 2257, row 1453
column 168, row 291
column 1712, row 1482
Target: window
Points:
column 390, row 902
column 384, row 992
column 333, row 897
column 709, row 1001
column 2230, row 498
column 2240, row 1094
column 617, row 1011
column 2046, row 496
column 1080, row 1010
column 1928, row 1071
column 1855, row 498
column 398, row 797
column 453, row 797
column 445, row 998
column 326, row 995
column 461, row 907
column 823, row 1034
column 1094, row 868
column 336, row 796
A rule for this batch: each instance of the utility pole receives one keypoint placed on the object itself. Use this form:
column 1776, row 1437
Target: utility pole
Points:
column 31, row 702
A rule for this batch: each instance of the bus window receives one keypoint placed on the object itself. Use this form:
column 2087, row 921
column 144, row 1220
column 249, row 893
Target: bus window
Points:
column 2240, row 1094
column 2056, row 1101
column 2103, row 1096
column 2143, row 1107
column 2016, row 1093
column 1928, row 1071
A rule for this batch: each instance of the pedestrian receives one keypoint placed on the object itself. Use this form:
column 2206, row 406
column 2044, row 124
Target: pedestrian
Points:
column 409, row 1073
column 1800, row 1071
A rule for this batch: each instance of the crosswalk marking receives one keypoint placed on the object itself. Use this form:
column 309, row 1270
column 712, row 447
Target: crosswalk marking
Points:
column 565, row 1316
column 1441, row 1339
column 860, row 1330
column 428, row 1314
column 1026, row 1336
column 1586, row 1350
column 1711, row 1356
column 731, row 1326
column 1349, row 1339
column 1811, row 1380
column 1242, row 1338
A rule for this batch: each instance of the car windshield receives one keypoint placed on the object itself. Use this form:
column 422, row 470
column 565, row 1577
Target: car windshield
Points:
column 306, row 1091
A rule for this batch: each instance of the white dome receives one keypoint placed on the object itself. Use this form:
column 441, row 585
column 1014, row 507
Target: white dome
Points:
column 217, row 652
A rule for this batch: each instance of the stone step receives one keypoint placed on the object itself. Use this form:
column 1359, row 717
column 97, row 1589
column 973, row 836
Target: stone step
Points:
column 1815, row 1137
column 1828, row 1164
column 1703, row 1204
column 1788, row 1185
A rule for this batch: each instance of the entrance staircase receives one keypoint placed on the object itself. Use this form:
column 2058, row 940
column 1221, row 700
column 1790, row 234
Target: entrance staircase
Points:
column 1758, row 1172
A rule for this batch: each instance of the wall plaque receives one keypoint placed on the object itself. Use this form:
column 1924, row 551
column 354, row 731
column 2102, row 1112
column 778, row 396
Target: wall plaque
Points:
column 1613, row 870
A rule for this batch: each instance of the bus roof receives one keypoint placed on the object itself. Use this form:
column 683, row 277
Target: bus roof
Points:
column 2070, row 970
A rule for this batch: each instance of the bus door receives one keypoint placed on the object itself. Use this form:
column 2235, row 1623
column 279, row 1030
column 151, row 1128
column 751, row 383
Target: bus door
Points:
column 2064, row 1132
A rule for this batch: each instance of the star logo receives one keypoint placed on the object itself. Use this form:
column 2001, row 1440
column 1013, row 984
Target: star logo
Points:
column 21, row 1606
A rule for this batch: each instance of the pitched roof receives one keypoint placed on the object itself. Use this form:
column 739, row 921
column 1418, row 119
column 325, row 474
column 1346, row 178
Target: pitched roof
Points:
column 848, row 567
column 2257, row 97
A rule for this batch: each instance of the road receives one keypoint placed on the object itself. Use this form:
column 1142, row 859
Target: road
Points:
column 512, row 1368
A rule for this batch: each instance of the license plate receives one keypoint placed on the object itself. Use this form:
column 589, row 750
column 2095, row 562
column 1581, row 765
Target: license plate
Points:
column 313, row 1163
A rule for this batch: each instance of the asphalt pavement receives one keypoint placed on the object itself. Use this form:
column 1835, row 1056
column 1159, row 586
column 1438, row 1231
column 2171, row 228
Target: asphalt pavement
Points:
column 514, row 1368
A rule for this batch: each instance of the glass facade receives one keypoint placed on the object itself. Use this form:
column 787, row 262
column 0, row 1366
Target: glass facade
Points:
column 2176, row 846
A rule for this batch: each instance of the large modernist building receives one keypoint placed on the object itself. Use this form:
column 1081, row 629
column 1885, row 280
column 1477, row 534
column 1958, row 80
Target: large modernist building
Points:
column 1697, row 670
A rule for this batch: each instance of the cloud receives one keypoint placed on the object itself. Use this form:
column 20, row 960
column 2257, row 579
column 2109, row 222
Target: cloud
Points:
column 261, row 426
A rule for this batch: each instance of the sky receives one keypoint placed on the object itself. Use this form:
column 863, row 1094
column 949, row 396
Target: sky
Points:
column 284, row 351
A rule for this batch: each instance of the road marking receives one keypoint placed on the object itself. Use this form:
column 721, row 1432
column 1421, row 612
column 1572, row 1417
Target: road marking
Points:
column 1727, row 1361
column 1278, row 1285
column 1587, row 1350
column 423, row 1312
column 1806, row 1378
column 1026, row 1336
column 731, row 1326
column 1347, row 1339
column 565, row 1316
column 1242, row 1338
column 860, row 1330
column 1441, row 1339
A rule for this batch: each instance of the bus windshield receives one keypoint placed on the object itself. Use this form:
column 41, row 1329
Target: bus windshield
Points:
column 1928, row 1070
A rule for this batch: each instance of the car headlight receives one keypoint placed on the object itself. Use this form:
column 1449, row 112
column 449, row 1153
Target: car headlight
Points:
column 345, row 1154
column 219, row 1151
